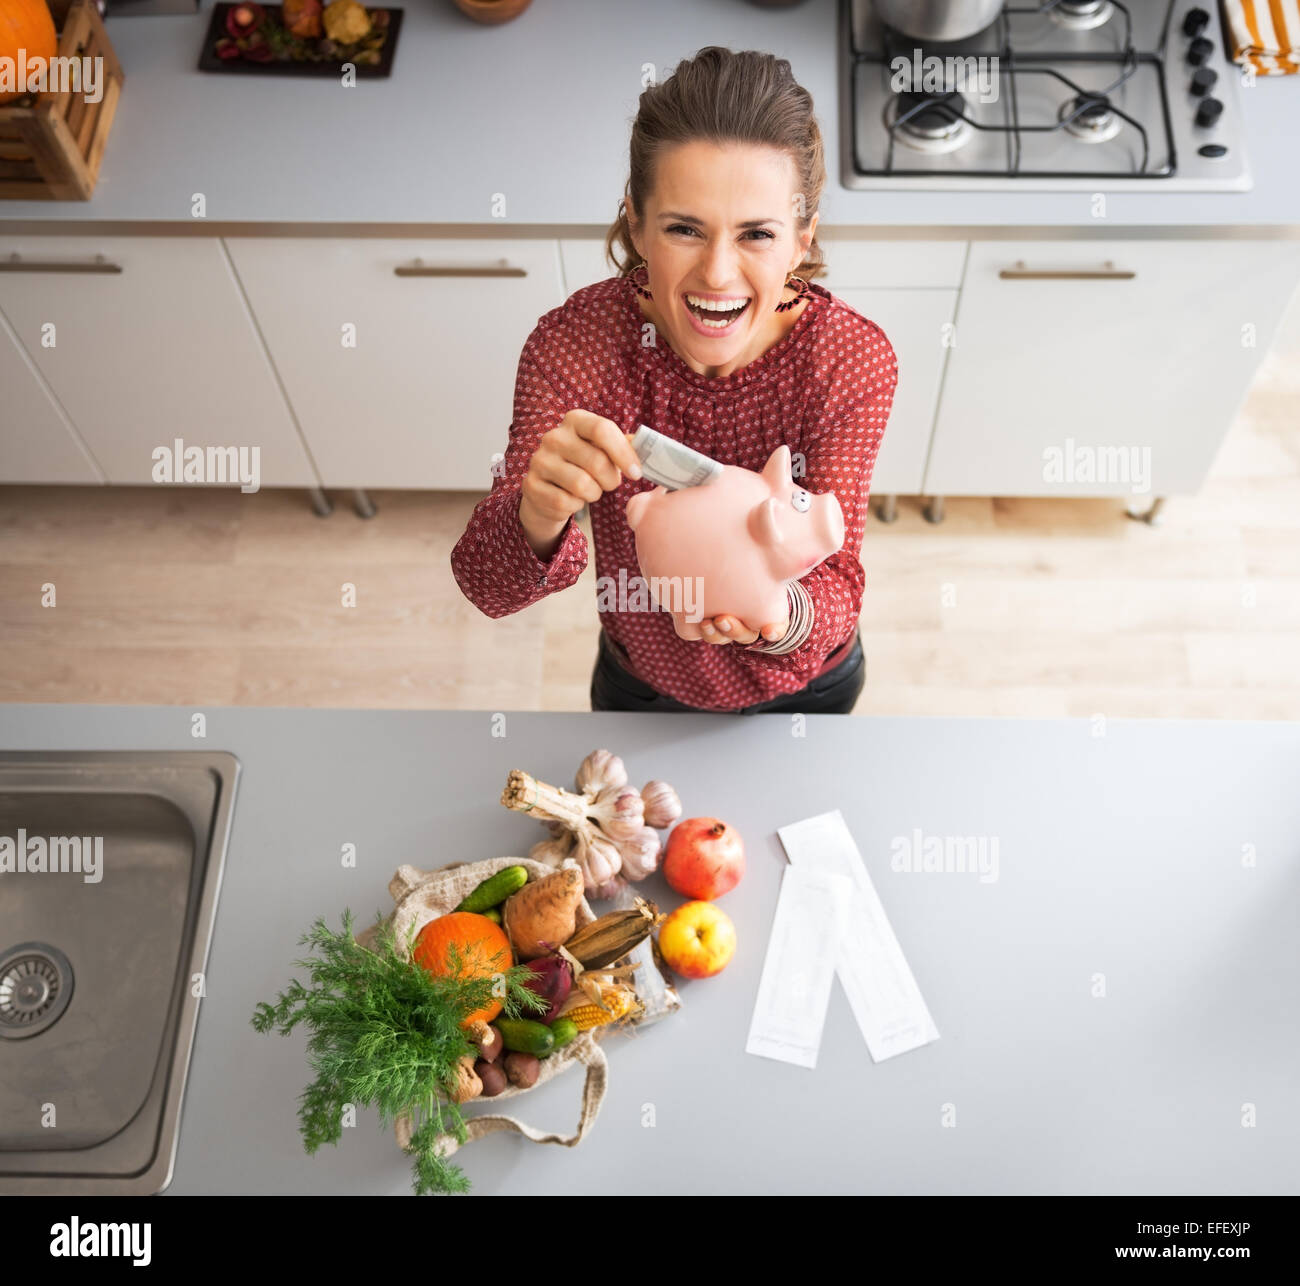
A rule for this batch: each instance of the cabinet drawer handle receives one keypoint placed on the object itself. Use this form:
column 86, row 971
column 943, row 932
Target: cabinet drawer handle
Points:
column 16, row 263
column 1107, row 272
column 418, row 268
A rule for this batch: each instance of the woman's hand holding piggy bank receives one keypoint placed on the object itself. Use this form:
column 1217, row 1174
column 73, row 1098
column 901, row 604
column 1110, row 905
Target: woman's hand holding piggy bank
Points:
column 727, row 629
column 718, row 556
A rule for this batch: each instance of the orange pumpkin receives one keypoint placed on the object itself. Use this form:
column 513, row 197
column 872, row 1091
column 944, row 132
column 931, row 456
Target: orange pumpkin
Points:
column 26, row 25
column 483, row 946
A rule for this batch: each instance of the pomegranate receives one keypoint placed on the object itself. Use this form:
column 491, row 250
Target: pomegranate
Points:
column 704, row 859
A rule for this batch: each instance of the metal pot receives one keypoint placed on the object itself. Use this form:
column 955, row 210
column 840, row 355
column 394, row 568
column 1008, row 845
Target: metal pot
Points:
column 938, row 19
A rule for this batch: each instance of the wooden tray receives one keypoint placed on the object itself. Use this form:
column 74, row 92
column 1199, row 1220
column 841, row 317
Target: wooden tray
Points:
column 208, row 60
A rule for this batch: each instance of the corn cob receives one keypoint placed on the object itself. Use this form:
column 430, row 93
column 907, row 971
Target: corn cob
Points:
column 619, row 1003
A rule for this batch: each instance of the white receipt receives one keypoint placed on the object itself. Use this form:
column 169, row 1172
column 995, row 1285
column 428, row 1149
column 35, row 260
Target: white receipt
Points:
column 883, row 995
column 795, row 988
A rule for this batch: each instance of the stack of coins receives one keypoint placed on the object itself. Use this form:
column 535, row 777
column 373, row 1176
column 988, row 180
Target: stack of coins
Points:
column 801, row 623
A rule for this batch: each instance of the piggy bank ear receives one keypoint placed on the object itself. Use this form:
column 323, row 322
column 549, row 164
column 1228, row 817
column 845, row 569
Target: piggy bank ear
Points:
column 776, row 472
column 763, row 525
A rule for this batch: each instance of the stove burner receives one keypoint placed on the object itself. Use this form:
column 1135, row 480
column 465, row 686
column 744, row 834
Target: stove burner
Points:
column 1094, row 122
column 1082, row 15
column 933, row 121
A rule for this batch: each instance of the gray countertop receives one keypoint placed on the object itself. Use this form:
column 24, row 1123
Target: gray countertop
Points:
column 1119, row 855
column 538, row 109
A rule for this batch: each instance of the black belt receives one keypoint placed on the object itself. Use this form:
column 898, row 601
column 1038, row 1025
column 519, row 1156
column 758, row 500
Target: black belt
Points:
column 837, row 656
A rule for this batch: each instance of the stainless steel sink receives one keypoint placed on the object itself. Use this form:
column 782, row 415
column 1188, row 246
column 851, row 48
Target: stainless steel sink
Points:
column 100, row 959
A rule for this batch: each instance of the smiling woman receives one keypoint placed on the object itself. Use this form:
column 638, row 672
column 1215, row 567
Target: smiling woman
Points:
column 713, row 334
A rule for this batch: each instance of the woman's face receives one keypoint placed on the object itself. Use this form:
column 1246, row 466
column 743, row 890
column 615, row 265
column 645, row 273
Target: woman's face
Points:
column 719, row 237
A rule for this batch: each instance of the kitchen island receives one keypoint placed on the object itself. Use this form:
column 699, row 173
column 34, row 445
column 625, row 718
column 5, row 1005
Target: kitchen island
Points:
column 1114, row 1008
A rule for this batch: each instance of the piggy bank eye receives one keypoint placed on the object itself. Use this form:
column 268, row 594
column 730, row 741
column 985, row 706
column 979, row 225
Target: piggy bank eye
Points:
column 802, row 501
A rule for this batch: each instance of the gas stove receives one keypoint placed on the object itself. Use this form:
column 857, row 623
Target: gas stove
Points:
column 1058, row 95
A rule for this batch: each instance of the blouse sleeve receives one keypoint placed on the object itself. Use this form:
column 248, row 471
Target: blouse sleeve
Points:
column 839, row 456
column 493, row 563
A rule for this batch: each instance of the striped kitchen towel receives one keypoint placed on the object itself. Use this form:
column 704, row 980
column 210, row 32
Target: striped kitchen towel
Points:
column 1264, row 34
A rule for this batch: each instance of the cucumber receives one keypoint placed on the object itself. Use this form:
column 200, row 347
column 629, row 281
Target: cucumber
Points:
column 494, row 890
column 492, row 914
column 564, row 1030
column 525, row 1036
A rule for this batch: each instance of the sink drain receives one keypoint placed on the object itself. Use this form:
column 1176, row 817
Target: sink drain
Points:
column 35, row 987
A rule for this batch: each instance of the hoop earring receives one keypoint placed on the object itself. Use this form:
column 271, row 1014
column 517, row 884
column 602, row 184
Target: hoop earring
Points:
column 800, row 286
column 636, row 285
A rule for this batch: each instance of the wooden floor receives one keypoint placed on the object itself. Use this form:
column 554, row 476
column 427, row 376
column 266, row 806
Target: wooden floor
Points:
column 1010, row 607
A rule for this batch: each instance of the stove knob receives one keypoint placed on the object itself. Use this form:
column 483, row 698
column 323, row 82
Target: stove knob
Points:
column 1199, row 50
column 1208, row 112
column 1203, row 79
column 1195, row 22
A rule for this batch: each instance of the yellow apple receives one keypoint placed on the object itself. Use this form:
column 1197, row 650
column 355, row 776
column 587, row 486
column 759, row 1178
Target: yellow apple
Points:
column 697, row 940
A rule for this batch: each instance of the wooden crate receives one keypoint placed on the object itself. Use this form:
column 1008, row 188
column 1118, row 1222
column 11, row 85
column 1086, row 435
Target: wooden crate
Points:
column 51, row 144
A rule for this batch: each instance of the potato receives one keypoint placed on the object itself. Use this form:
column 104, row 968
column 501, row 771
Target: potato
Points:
column 492, row 1076
column 522, row 1069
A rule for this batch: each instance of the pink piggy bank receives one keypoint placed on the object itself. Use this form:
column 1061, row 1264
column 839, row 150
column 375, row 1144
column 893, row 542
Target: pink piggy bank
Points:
column 728, row 547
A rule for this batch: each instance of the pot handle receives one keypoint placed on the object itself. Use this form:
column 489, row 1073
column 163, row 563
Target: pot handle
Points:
column 593, row 1094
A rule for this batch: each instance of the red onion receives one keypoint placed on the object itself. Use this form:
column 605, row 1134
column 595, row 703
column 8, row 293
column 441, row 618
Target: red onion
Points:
column 551, row 980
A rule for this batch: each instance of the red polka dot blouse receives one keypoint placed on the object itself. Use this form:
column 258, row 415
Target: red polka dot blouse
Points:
column 825, row 390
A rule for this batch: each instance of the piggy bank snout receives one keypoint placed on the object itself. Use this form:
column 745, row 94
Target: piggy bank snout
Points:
column 798, row 537
column 828, row 519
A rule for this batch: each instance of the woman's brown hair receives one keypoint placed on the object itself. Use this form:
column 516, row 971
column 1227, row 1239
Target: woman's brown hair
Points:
column 721, row 96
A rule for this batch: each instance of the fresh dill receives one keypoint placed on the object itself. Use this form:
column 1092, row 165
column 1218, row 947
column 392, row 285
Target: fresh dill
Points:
column 385, row 1033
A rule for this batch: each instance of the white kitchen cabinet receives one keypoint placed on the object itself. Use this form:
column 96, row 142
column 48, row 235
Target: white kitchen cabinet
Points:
column 37, row 444
column 399, row 356
column 162, row 347
column 896, row 265
column 914, row 322
column 583, row 263
column 1103, row 368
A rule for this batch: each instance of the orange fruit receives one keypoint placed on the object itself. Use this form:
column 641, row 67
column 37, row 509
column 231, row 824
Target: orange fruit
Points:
column 26, row 26
column 483, row 947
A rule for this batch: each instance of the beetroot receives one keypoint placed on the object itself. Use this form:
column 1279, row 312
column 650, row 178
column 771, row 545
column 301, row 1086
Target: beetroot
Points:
column 244, row 19
column 551, row 979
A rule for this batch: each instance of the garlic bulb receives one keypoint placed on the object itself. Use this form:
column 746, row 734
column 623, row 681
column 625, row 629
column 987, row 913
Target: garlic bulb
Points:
column 662, row 807
column 607, row 828
column 553, row 851
column 598, row 858
column 619, row 811
column 599, row 770
column 640, row 854
column 610, row 889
